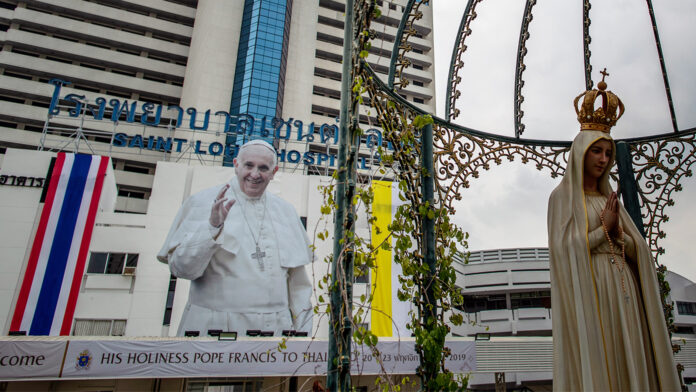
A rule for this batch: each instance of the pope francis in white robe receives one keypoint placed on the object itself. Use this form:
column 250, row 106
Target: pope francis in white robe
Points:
column 244, row 251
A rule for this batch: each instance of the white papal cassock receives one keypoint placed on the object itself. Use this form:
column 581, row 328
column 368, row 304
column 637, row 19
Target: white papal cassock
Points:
column 230, row 289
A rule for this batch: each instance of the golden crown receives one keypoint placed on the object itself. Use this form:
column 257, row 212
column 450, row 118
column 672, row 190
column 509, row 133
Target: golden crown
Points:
column 604, row 117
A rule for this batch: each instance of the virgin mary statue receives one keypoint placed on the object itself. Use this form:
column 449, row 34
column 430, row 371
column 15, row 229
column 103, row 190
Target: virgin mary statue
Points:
column 609, row 332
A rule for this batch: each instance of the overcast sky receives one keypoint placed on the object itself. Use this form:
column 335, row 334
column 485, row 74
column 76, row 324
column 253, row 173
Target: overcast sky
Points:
column 506, row 207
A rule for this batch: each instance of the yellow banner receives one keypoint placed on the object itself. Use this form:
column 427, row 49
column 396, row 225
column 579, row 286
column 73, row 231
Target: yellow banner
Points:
column 381, row 275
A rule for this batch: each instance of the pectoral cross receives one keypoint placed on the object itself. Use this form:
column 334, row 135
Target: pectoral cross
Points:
column 258, row 255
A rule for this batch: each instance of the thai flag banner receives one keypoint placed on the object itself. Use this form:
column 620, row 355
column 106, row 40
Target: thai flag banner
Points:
column 48, row 295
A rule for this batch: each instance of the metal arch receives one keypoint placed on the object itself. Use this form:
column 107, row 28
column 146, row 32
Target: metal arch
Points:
column 398, row 42
column 665, row 79
column 520, row 67
column 461, row 153
column 586, row 40
column 459, row 48
column 461, row 157
column 380, row 85
column 393, row 96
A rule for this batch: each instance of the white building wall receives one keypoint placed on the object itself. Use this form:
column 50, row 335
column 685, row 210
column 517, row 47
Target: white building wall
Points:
column 212, row 57
column 20, row 217
column 299, row 71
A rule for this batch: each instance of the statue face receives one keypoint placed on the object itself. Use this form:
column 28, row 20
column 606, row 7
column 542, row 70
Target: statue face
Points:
column 597, row 158
column 255, row 169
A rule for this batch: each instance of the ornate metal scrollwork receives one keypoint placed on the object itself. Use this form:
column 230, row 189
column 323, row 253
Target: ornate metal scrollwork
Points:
column 406, row 30
column 460, row 156
column 520, row 67
column 586, row 40
column 660, row 166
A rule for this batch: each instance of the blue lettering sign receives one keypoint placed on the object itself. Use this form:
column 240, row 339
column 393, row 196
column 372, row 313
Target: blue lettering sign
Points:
column 244, row 124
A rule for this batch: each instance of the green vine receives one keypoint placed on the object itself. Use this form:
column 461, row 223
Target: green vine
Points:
column 428, row 321
column 431, row 288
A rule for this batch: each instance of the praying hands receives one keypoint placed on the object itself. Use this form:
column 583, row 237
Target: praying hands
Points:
column 610, row 214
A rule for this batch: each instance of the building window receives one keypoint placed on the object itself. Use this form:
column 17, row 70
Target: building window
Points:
column 533, row 299
column 479, row 303
column 85, row 327
column 684, row 330
column 224, row 386
column 686, row 308
column 134, row 168
column 134, row 193
column 361, row 274
column 418, row 100
column 170, row 300
column 112, row 263
column 418, row 83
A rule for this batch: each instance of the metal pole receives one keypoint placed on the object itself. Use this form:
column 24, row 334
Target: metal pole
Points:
column 429, row 314
column 338, row 375
column 427, row 184
column 628, row 186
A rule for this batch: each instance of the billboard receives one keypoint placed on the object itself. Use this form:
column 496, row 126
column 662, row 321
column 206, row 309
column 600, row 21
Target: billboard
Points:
column 125, row 296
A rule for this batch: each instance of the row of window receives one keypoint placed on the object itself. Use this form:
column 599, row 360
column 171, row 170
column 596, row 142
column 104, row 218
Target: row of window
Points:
column 26, row 74
column 531, row 299
column 115, row 46
column 113, row 68
column 155, row 13
column 686, row 308
column 421, row 31
column 534, row 299
column 115, row 24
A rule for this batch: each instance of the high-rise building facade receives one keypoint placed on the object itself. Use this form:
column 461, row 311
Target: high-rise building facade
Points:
column 155, row 80
column 261, row 58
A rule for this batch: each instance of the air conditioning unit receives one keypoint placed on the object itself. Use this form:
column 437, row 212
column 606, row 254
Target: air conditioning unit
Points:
column 129, row 271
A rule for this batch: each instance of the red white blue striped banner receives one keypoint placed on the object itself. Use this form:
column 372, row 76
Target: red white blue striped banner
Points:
column 47, row 298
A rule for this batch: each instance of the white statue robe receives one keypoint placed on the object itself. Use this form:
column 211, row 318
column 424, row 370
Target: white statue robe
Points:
column 609, row 332
column 230, row 289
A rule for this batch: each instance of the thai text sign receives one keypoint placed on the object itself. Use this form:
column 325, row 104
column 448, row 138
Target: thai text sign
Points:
column 236, row 128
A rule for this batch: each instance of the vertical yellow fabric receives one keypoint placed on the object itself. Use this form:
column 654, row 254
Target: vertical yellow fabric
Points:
column 381, row 276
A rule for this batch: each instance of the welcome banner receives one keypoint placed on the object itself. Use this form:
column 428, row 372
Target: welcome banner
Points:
column 80, row 359
column 51, row 284
column 30, row 359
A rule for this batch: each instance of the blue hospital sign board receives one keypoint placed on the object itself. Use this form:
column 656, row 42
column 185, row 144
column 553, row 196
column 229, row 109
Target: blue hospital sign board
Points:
column 243, row 126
